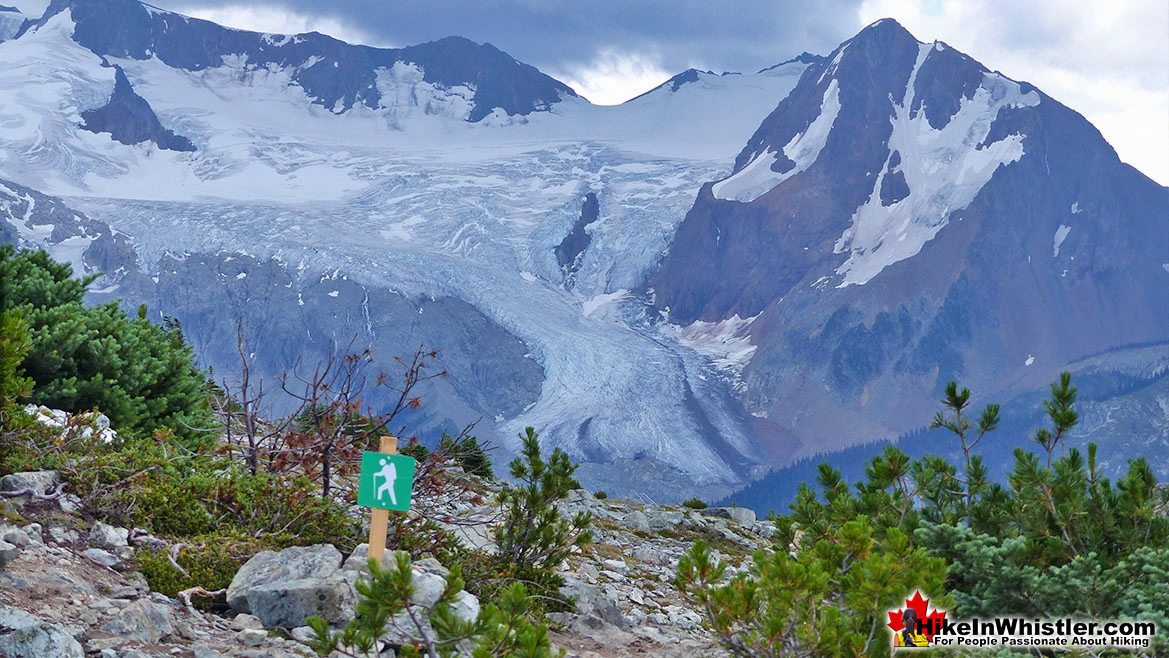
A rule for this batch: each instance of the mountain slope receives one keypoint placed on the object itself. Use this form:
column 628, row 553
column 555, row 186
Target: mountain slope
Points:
column 398, row 223
column 906, row 217
column 334, row 74
column 678, row 318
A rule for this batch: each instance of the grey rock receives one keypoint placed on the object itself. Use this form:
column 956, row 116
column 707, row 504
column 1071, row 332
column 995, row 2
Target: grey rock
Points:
column 251, row 637
column 592, row 601
column 428, row 588
column 14, row 536
column 764, row 529
column 636, row 520
column 142, row 621
column 650, row 555
column 662, row 519
column 25, row 636
column 35, row 533
column 69, row 503
column 109, row 537
column 302, row 634
column 206, row 651
column 186, row 631
column 465, row 606
column 288, row 603
column 63, row 535
column 291, row 564
column 39, row 481
column 244, row 621
column 430, row 565
column 104, row 558
column 740, row 515
column 135, row 653
column 8, row 553
column 359, row 560
column 123, row 592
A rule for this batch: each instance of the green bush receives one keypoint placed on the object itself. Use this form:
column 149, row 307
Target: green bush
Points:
column 210, row 561
column 532, row 532
column 1057, row 540
column 694, row 503
column 143, row 377
column 601, row 495
column 15, row 344
column 143, row 486
column 501, row 630
column 468, row 453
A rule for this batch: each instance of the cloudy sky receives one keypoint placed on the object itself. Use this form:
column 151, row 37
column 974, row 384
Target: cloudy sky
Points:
column 1108, row 60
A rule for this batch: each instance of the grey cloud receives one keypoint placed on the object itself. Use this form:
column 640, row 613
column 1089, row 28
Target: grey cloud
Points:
column 558, row 34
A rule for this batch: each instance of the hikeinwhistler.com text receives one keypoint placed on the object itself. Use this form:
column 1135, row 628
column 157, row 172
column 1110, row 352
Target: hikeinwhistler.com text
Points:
column 1006, row 632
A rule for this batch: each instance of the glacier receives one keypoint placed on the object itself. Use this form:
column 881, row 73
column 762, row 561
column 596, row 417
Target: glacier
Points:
column 412, row 198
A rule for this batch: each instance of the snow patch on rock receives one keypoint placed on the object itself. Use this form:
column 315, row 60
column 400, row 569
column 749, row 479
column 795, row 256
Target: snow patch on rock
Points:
column 1061, row 234
column 944, row 170
column 757, row 177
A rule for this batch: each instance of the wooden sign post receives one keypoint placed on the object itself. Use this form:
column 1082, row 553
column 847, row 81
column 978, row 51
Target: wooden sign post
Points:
column 379, row 519
column 385, row 484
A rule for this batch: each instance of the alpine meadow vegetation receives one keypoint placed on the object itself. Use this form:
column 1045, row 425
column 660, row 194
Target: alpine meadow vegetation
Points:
column 1057, row 539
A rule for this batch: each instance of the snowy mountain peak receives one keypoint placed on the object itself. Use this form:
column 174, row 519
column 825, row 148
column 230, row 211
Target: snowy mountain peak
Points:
column 335, row 74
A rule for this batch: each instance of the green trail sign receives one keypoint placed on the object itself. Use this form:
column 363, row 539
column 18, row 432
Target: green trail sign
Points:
column 386, row 481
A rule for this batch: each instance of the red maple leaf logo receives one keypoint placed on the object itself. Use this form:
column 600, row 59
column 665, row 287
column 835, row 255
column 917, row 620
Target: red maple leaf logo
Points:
column 930, row 620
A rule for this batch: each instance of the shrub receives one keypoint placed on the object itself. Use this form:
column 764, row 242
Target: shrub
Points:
column 1057, row 540
column 694, row 503
column 208, row 561
column 82, row 358
column 15, row 344
column 601, row 495
column 386, row 602
column 828, row 599
column 468, row 453
column 533, row 532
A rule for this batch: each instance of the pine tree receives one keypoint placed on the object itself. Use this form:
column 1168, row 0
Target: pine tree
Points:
column 533, row 534
column 83, row 358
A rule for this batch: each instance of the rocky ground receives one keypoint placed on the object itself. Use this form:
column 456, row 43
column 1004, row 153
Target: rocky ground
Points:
column 69, row 586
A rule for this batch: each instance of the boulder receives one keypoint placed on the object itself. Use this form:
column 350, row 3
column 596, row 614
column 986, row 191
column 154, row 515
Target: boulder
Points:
column 25, row 636
column 636, row 520
column 287, row 603
column 270, row 567
column 663, row 519
column 14, row 536
column 104, row 558
column 740, row 515
column 428, row 588
column 109, row 537
column 465, row 606
column 359, row 560
column 591, row 601
column 244, row 621
column 142, row 621
column 8, row 553
column 42, row 482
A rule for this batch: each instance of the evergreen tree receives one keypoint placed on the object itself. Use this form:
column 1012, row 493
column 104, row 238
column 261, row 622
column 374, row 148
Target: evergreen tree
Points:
column 82, row 358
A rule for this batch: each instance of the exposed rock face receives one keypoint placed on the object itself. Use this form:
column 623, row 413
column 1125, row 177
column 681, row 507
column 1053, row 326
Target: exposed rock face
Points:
column 347, row 75
column 287, row 603
column 41, row 482
column 129, row 119
column 906, row 217
column 142, row 621
column 568, row 253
